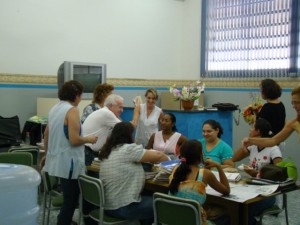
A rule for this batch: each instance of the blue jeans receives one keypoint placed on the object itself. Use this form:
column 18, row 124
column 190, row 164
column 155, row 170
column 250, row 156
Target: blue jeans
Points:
column 255, row 209
column 70, row 190
column 142, row 211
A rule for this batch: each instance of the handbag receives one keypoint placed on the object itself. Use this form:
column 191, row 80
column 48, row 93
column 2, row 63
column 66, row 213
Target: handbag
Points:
column 273, row 172
column 226, row 106
column 229, row 107
column 10, row 133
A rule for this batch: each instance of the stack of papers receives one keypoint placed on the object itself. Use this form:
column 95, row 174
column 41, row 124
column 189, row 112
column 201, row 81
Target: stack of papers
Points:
column 165, row 169
column 231, row 177
column 150, row 175
column 162, row 177
column 168, row 166
column 261, row 181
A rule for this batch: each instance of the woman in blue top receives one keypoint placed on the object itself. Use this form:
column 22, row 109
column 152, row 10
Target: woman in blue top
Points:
column 64, row 146
column 213, row 147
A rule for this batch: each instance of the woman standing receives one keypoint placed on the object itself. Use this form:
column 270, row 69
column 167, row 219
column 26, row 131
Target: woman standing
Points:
column 100, row 94
column 146, row 118
column 189, row 179
column 64, row 147
column 273, row 110
column 288, row 129
column 123, row 175
column 213, row 147
column 167, row 140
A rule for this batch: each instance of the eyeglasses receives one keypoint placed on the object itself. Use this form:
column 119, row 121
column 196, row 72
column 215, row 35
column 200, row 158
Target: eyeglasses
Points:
column 295, row 102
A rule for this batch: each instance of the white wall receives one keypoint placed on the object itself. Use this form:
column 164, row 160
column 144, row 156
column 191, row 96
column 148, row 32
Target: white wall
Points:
column 136, row 38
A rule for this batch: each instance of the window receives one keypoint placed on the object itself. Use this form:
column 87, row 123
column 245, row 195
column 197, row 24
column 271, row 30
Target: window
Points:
column 250, row 38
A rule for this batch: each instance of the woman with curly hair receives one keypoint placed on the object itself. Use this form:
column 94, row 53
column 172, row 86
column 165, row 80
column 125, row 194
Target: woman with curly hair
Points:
column 273, row 110
column 100, row 94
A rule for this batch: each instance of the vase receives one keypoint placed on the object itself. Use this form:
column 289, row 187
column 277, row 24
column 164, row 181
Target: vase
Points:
column 187, row 105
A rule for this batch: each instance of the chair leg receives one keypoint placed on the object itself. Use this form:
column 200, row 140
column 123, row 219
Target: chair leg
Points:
column 284, row 199
column 49, row 209
column 44, row 208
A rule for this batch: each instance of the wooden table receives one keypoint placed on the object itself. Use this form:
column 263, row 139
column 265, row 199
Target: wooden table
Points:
column 163, row 187
column 234, row 206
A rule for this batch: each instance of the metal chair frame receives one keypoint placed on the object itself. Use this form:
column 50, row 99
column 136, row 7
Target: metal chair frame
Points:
column 92, row 191
column 175, row 211
column 34, row 150
column 52, row 198
column 275, row 210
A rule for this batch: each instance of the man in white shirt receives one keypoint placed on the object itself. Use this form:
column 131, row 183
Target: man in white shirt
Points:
column 100, row 123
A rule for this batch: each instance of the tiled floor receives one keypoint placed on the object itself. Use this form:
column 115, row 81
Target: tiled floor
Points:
column 293, row 211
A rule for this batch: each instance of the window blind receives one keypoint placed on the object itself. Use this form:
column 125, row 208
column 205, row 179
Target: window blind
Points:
column 248, row 38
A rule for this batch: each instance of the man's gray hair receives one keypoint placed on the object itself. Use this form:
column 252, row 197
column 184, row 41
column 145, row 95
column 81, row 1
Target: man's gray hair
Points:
column 112, row 100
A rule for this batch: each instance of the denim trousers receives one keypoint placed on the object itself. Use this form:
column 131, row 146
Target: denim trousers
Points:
column 142, row 211
column 255, row 209
column 89, row 155
column 70, row 190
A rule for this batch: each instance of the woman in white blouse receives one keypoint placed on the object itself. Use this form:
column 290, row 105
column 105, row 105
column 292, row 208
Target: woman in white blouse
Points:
column 167, row 140
column 146, row 118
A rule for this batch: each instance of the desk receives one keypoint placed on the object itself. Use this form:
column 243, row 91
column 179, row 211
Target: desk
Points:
column 154, row 186
column 234, row 206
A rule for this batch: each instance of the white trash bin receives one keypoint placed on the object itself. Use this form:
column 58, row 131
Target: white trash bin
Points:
column 18, row 195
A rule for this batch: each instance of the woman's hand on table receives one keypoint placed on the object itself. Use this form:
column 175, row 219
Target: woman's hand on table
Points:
column 252, row 172
column 209, row 164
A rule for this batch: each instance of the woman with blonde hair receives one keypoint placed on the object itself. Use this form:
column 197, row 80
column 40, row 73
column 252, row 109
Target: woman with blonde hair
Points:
column 146, row 117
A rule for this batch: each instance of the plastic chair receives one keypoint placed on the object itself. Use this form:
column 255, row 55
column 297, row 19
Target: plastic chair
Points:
column 92, row 191
column 34, row 150
column 22, row 158
column 52, row 198
column 175, row 211
column 275, row 210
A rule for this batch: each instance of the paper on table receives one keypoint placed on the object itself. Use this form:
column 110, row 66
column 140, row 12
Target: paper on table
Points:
column 244, row 192
column 230, row 176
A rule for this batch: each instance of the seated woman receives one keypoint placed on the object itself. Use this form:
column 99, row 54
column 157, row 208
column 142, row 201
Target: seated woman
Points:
column 213, row 147
column 167, row 140
column 189, row 179
column 258, row 157
column 123, row 175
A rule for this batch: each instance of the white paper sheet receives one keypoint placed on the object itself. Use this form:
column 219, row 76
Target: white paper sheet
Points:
column 244, row 192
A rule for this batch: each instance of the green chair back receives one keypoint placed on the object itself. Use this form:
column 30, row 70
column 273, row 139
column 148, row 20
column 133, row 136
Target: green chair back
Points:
column 92, row 191
column 34, row 150
column 22, row 158
column 175, row 211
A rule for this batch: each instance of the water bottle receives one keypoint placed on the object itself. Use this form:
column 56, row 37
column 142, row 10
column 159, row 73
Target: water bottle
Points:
column 27, row 138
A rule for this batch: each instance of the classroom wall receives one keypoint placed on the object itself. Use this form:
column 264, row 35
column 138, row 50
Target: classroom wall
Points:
column 135, row 38
column 23, row 102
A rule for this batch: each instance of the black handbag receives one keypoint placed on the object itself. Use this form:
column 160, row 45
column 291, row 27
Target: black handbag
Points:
column 273, row 172
column 10, row 134
column 229, row 107
column 226, row 106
